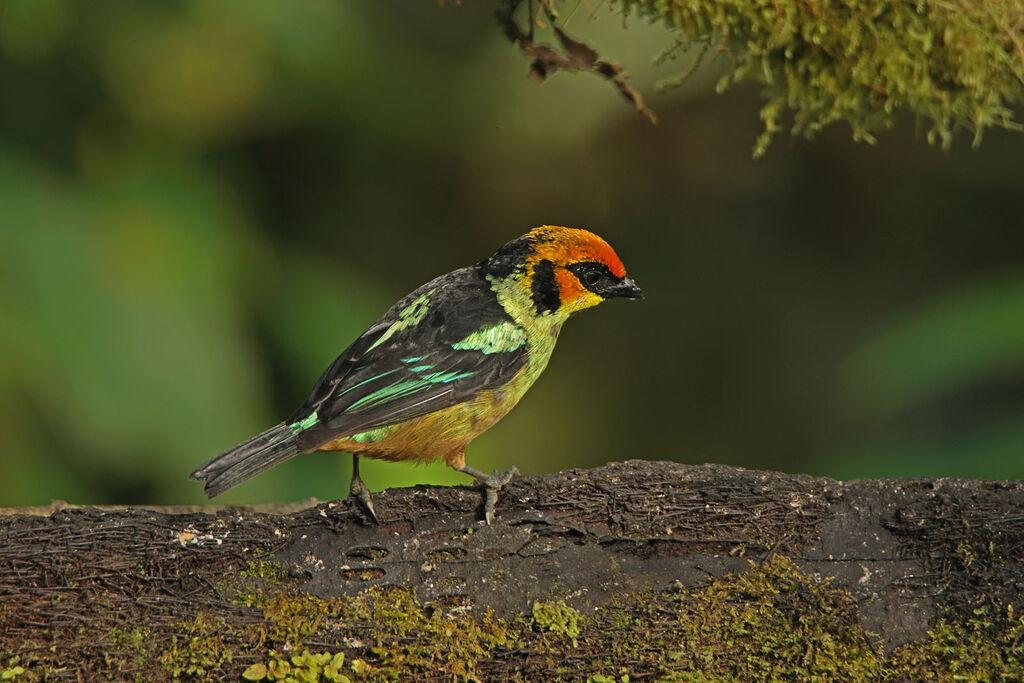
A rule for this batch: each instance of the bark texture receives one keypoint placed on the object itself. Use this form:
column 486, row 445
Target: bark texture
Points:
column 122, row 594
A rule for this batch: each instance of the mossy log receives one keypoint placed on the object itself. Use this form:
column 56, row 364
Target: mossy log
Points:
column 632, row 571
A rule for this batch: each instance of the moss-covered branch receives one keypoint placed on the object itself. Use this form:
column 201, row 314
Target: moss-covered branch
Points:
column 953, row 64
column 632, row 571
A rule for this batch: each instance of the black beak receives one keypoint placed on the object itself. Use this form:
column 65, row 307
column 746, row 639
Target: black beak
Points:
column 626, row 289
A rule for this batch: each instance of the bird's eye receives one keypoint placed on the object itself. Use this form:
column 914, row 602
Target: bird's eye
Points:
column 592, row 275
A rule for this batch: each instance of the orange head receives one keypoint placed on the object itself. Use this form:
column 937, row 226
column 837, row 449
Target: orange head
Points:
column 565, row 269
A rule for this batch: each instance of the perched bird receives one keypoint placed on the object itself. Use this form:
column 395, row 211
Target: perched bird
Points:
column 443, row 364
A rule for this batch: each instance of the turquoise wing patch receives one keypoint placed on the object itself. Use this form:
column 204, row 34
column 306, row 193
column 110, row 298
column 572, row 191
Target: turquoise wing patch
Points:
column 501, row 338
column 422, row 381
column 504, row 337
column 410, row 316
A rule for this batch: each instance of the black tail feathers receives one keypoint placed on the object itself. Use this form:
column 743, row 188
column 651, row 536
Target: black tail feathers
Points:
column 248, row 459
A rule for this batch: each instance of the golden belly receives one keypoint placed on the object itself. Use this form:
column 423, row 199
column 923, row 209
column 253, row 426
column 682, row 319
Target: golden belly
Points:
column 431, row 436
column 446, row 432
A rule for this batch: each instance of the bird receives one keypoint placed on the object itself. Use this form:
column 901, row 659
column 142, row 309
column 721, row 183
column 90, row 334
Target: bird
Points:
column 442, row 365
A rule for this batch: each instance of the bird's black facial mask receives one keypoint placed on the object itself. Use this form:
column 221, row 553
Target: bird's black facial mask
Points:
column 596, row 277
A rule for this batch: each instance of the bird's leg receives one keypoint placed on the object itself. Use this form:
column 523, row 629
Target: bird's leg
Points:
column 359, row 491
column 491, row 482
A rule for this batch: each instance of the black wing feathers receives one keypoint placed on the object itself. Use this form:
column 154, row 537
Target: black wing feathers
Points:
column 387, row 376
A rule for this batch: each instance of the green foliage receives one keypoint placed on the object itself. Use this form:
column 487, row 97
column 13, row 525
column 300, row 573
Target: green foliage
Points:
column 183, row 250
column 956, row 341
column 111, row 276
column 957, row 337
column 13, row 670
column 957, row 64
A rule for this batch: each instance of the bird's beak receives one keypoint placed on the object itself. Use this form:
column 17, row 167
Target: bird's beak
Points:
column 627, row 289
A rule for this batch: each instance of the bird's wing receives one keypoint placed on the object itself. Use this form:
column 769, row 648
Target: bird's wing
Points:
column 437, row 347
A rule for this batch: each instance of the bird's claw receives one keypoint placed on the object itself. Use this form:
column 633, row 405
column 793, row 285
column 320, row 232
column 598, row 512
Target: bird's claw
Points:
column 491, row 484
column 359, row 491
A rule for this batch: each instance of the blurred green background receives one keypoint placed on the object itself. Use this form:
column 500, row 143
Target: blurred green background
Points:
column 202, row 203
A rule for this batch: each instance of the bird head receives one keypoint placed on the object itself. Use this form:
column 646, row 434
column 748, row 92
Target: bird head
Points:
column 563, row 270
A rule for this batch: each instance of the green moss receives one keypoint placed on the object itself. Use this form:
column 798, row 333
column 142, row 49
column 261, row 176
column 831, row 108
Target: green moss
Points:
column 31, row 666
column 248, row 587
column 601, row 678
column 134, row 642
column 979, row 649
column 557, row 617
column 202, row 652
column 271, row 572
column 955, row 65
column 130, row 639
column 771, row 622
column 414, row 639
column 400, row 636
column 304, row 667
column 294, row 617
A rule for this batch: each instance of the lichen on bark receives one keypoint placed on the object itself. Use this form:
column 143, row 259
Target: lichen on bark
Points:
column 953, row 64
column 636, row 569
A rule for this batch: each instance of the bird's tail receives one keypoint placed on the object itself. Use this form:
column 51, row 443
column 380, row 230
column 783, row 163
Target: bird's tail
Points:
column 249, row 458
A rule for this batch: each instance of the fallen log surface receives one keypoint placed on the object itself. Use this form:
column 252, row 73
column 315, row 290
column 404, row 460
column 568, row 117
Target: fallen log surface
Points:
column 650, row 570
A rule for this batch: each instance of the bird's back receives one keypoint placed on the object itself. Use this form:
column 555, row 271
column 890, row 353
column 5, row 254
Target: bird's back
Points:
column 445, row 344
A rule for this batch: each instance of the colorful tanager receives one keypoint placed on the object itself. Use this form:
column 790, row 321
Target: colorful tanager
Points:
column 443, row 365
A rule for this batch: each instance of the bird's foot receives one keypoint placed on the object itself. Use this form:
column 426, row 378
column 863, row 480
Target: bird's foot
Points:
column 492, row 483
column 359, row 491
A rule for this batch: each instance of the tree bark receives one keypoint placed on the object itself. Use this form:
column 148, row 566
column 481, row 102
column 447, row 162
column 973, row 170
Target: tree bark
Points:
column 89, row 594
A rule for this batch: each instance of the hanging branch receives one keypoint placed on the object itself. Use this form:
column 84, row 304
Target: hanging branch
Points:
column 954, row 65
column 575, row 56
